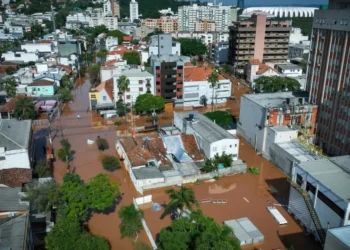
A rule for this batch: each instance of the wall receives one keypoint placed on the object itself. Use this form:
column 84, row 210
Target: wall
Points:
column 282, row 159
column 41, row 47
column 259, row 37
column 41, row 90
column 147, row 182
column 275, row 137
column 229, row 146
column 333, row 243
column 16, row 159
column 104, row 97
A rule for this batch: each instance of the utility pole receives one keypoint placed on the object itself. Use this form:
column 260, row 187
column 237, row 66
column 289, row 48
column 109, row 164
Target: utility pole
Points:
column 53, row 19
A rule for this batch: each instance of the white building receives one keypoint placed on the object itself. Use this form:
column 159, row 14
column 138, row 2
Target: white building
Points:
column 211, row 138
column 266, row 118
column 289, row 70
column 327, row 183
column 223, row 16
column 163, row 44
column 296, row 36
column 134, row 11
column 205, row 37
column 299, row 50
column 42, row 47
column 111, row 42
column 15, row 144
column 111, row 68
column 255, row 69
column 111, row 8
column 20, row 56
column 141, row 82
column 197, row 91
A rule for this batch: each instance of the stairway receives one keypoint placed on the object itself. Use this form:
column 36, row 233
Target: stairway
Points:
column 321, row 233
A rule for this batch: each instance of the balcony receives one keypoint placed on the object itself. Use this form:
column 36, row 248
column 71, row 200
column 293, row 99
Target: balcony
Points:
column 148, row 85
column 169, row 94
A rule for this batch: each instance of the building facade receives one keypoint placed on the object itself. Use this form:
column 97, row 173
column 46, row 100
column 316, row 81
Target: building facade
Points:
column 258, row 38
column 328, row 77
column 218, row 52
column 164, row 23
column 134, row 11
column 223, row 16
column 163, row 44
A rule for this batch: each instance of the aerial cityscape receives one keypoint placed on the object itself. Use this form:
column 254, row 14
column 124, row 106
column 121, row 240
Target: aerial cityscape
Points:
column 174, row 125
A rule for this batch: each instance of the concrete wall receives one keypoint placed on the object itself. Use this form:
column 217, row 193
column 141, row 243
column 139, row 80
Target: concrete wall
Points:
column 333, row 243
column 41, row 90
column 282, row 159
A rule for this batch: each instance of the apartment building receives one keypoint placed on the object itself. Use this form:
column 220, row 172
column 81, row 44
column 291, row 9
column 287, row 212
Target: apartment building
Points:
column 300, row 50
column 328, row 77
column 223, row 16
column 205, row 37
column 134, row 11
column 218, row 52
column 141, row 82
column 111, row 8
column 163, row 44
column 164, row 23
column 260, row 39
column 205, row 26
column 269, row 118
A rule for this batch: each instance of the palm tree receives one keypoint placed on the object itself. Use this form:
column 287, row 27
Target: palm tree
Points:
column 213, row 79
column 180, row 199
column 10, row 87
column 123, row 84
column 24, row 109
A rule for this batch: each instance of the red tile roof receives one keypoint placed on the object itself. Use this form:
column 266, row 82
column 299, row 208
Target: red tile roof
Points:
column 41, row 83
column 66, row 68
column 199, row 74
column 262, row 68
column 108, row 86
column 10, row 105
column 15, row 177
column 191, row 147
column 127, row 38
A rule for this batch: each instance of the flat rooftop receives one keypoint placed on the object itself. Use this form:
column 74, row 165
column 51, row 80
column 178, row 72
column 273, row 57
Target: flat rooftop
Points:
column 205, row 127
column 342, row 161
column 298, row 151
column 170, row 58
column 272, row 100
column 341, row 233
column 329, row 175
column 288, row 66
column 135, row 73
column 281, row 129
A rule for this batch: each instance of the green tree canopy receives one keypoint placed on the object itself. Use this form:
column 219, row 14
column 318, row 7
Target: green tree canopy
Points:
column 192, row 47
column 110, row 163
column 145, row 103
column 102, row 54
column 68, row 234
column 10, row 86
column 213, row 79
column 36, row 32
column 65, row 95
column 94, row 73
column 24, row 109
column 66, row 82
column 131, row 224
column 198, row 232
column 65, row 153
column 118, row 34
column 132, row 57
column 270, row 84
column 184, row 198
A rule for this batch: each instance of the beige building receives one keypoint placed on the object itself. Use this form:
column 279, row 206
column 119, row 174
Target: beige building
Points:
column 166, row 24
column 258, row 38
column 205, row 25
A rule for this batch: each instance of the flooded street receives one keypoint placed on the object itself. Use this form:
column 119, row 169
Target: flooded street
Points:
column 87, row 161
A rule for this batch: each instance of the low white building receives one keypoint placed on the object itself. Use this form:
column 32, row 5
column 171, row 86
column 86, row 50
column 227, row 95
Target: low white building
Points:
column 211, row 138
column 255, row 69
column 43, row 47
column 20, row 56
column 327, row 183
column 111, row 68
column 289, row 70
column 197, row 91
column 296, row 36
column 141, row 82
column 110, row 42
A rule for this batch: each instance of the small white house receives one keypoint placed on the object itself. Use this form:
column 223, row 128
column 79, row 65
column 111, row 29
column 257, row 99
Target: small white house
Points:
column 42, row 47
column 20, row 55
column 256, row 69
column 289, row 70
column 111, row 42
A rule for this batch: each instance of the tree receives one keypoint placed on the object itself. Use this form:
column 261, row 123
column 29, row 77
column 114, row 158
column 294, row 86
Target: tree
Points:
column 227, row 69
column 132, row 57
column 209, row 166
column 102, row 54
column 180, row 199
column 65, row 153
column 66, row 82
column 99, row 30
column 146, row 103
column 116, row 33
column 121, row 108
column 68, row 234
column 225, row 159
column 43, row 197
column 10, row 87
column 135, row 41
column 270, row 84
column 36, row 31
column 192, row 47
column 65, row 95
column 131, row 224
column 222, row 118
column 10, row 70
column 213, row 80
column 24, row 109
column 197, row 232
column 101, row 143
column 123, row 84
column 94, row 73
column 42, row 170
column 110, row 163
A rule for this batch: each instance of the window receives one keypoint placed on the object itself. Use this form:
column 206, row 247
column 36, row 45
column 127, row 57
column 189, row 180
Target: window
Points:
column 215, row 149
column 230, row 146
column 140, row 81
column 128, row 97
column 140, row 89
column 299, row 180
column 128, row 90
column 104, row 98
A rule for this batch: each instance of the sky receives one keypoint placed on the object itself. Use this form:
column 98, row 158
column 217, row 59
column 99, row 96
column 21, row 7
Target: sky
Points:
column 271, row 2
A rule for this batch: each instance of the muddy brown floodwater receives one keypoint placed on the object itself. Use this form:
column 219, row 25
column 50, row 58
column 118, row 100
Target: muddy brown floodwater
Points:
column 87, row 164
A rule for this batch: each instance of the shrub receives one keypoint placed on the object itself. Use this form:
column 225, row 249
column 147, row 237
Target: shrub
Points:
column 216, row 177
column 118, row 123
column 254, row 170
column 102, row 144
column 42, row 170
column 110, row 163
column 152, row 118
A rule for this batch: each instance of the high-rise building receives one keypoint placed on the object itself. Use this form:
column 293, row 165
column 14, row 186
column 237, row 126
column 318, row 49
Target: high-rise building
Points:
column 111, row 8
column 260, row 39
column 328, row 76
column 223, row 16
column 134, row 10
column 240, row 4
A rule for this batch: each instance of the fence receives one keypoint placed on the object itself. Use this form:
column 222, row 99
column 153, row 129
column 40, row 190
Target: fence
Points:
column 144, row 224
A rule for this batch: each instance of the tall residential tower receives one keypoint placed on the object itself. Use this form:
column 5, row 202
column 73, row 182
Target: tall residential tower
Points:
column 328, row 76
column 134, row 10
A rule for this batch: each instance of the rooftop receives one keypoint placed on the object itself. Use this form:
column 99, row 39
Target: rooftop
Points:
column 49, row 75
column 342, row 161
column 13, row 232
column 15, row 177
column 342, row 233
column 288, row 66
column 205, row 127
column 170, row 58
column 135, row 73
column 281, row 128
column 273, row 100
column 147, row 173
column 10, row 200
column 298, row 151
column 108, row 86
column 15, row 134
column 193, row 73
column 41, row 83
column 325, row 171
